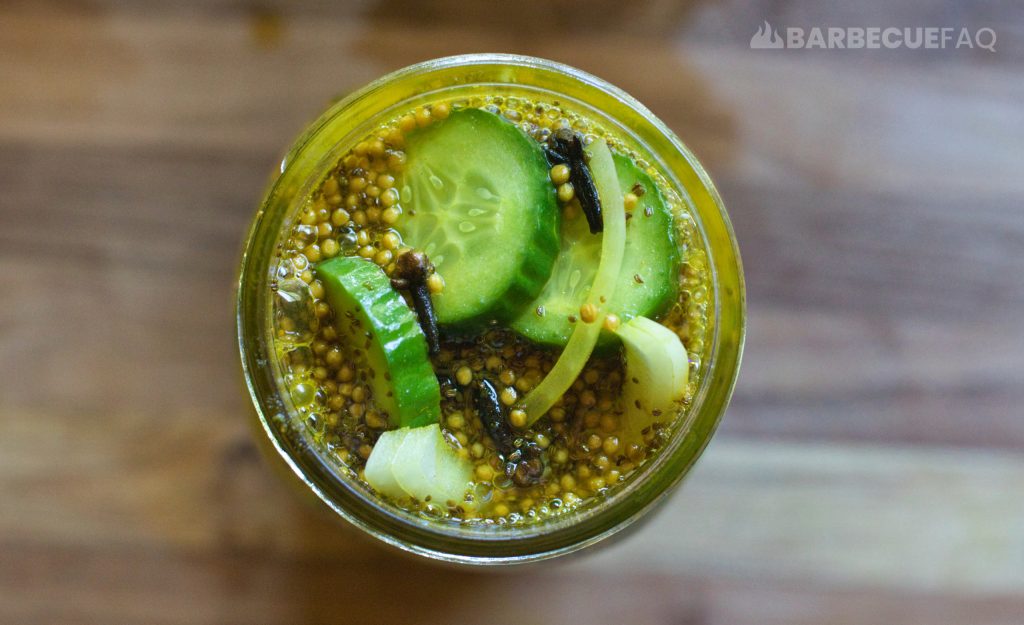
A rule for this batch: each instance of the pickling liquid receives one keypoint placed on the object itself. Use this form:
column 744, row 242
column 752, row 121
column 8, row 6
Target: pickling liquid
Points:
column 353, row 211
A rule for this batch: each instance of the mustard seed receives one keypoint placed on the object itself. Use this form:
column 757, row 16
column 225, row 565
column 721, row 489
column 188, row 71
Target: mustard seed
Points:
column 566, row 192
column 375, row 421
column 560, row 174
column 610, row 445
column 339, row 217
column 484, row 473
column 456, row 421
column 611, row 322
column 567, row 482
column 333, row 357
column 517, row 418
column 312, row 253
column 389, row 197
column 435, row 283
column 588, row 313
column 390, row 241
column 330, row 248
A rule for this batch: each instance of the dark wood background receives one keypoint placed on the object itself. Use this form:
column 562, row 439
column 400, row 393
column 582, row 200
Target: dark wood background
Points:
column 870, row 469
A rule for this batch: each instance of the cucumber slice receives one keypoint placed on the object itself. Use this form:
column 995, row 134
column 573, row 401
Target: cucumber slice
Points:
column 374, row 318
column 378, row 472
column 478, row 202
column 651, row 254
column 426, row 467
column 657, row 371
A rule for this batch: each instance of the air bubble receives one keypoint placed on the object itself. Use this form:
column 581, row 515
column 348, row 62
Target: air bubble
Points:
column 305, row 235
column 294, row 313
column 302, row 394
column 347, row 242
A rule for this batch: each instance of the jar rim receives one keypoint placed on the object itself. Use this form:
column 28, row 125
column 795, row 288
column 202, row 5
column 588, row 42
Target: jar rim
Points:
column 523, row 543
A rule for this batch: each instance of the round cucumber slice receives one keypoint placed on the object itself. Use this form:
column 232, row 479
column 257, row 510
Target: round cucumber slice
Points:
column 648, row 281
column 478, row 202
column 373, row 317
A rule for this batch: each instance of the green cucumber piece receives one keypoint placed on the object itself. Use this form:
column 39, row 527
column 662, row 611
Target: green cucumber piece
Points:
column 373, row 318
column 651, row 254
column 657, row 372
column 425, row 466
column 378, row 472
column 477, row 200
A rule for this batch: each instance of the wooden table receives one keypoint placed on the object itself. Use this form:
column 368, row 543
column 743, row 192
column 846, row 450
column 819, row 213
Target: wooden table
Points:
column 870, row 469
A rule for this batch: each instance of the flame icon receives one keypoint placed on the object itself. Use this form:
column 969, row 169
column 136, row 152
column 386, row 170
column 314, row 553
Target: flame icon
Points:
column 766, row 37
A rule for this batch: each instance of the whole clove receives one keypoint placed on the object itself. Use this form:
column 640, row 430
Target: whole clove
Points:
column 449, row 389
column 522, row 457
column 488, row 407
column 524, row 465
column 555, row 157
column 411, row 272
column 567, row 149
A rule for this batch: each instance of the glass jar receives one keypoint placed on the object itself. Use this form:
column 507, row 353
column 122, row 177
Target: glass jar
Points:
column 317, row 150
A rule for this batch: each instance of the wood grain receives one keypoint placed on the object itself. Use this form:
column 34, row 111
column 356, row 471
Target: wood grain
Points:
column 869, row 470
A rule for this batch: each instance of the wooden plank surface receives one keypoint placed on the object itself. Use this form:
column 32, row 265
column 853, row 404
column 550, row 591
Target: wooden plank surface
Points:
column 870, row 469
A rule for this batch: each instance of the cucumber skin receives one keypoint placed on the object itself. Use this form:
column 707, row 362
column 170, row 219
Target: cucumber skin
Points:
column 666, row 272
column 535, row 259
column 358, row 285
column 553, row 333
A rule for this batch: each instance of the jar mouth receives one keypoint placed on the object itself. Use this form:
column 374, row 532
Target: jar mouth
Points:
column 489, row 545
